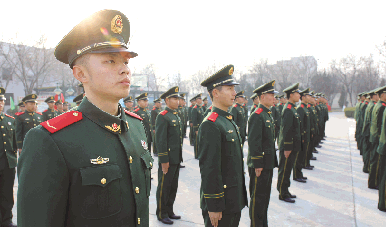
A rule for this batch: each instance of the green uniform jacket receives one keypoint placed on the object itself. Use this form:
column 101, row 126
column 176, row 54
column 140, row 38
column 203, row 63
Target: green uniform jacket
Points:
column 312, row 112
column 146, row 122
column 204, row 108
column 197, row 117
column 367, row 119
column 154, row 113
column 181, row 114
column 221, row 164
column 305, row 123
column 382, row 138
column 208, row 111
column 279, row 109
column 8, row 140
column 49, row 114
column 190, row 114
column 356, row 113
column 239, row 118
column 290, row 137
column 253, row 108
column 61, row 182
column 168, row 134
column 275, row 116
column 261, row 141
column 376, row 121
column 24, row 123
column 362, row 111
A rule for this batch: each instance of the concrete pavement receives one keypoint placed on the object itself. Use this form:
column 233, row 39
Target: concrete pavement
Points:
column 335, row 194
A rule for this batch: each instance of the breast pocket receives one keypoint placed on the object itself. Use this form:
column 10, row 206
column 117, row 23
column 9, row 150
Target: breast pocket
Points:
column 230, row 144
column 100, row 191
column 147, row 165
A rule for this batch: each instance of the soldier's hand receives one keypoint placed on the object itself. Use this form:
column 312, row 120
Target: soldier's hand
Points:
column 153, row 131
column 258, row 171
column 191, row 124
column 165, row 167
column 196, row 132
column 215, row 217
column 287, row 154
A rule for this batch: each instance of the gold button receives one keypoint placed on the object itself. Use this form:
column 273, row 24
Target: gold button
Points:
column 34, row 125
column 244, row 159
column 263, row 153
column 5, row 142
column 225, row 186
column 139, row 221
column 3, row 134
column 233, row 140
column 6, row 150
column 151, row 164
column 131, row 159
column 2, row 126
column 241, row 146
column 136, row 190
column 103, row 181
column 34, row 119
column 169, row 149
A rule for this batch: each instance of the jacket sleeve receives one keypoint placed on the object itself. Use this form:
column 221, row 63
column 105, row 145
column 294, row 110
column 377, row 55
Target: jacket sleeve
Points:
column 209, row 149
column 287, row 123
column 195, row 119
column 19, row 133
column 255, row 141
column 161, row 137
column 153, row 117
column 300, row 111
column 44, row 180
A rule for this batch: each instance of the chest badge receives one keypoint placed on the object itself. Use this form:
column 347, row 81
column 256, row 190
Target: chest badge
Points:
column 173, row 120
column 144, row 144
column 9, row 123
column 114, row 127
column 99, row 160
column 229, row 117
column 230, row 131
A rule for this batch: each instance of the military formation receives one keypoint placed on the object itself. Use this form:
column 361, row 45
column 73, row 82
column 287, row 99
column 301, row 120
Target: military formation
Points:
column 370, row 135
column 91, row 165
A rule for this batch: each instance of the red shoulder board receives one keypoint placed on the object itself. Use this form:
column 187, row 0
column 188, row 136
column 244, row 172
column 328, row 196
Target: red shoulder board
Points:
column 45, row 111
column 384, row 104
column 136, row 110
column 133, row 115
column 19, row 113
column 367, row 103
column 302, row 106
column 195, row 107
column 259, row 110
column 191, row 106
column 39, row 113
column 235, row 105
column 289, row 106
column 153, row 108
column 210, row 107
column 309, row 106
column 213, row 116
column 9, row 116
column 163, row 112
column 62, row 121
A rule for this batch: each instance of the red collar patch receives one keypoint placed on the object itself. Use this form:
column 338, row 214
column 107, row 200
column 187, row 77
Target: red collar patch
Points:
column 302, row 106
column 289, row 106
column 213, row 116
column 133, row 115
column 384, row 104
column 259, row 110
column 163, row 112
column 210, row 107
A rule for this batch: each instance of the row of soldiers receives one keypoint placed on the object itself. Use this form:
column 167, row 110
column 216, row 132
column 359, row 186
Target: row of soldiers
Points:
column 370, row 135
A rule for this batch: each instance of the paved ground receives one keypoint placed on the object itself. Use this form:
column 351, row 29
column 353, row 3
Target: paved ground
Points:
column 336, row 193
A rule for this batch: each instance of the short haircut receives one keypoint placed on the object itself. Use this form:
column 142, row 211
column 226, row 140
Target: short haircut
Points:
column 82, row 60
column 288, row 95
column 210, row 92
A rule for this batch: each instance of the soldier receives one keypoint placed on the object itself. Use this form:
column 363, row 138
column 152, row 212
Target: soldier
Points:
column 197, row 117
column 305, row 129
column 256, row 101
column 361, row 119
column 223, row 193
column 239, row 115
column 276, row 116
column 289, row 142
column 357, row 118
column 375, row 132
column 89, row 167
column 208, row 111
column 21, row 107
column 182, row 103
column 27, row 120
column 50, row 112
column 65, row 106
column 313, row 133
column 191, row 130
column 205, row 105
column 129, row 103
column 169, row 144
column 154, row 113
column 143, row 103
column 59, row 107
column 261, row 154
column 8, row 160
column 381, row 150
column 78, row 99
column 281, row 104
column 367, row 145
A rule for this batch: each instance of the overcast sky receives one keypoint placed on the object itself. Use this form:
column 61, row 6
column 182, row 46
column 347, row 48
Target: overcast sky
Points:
column 187, row 36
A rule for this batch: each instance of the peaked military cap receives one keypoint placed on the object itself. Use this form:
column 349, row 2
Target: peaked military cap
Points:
column 106, row 31
column 21, row 104
column 312, row 93
column 50, row 99
column 222, row 77
column 65, row 103
column 182, row 96
column 240, row 94
column 172, row 92
column 372, row 92
column 142, row 96
column 157, row 100
column 30, row 98
column 78, row 99
column 192, row 99
column 266, row 88
column 197, row 96
column 58, row 102
column 292, row 89
column 305, row 92
column 280, row 96
column 205, row 98
column 2, row 92
column 254, row 96
column 381, row 90
column 128, row 99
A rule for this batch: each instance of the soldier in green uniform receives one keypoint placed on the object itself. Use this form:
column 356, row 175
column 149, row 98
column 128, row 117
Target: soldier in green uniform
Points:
column 169, row 144
column 275, row 115
column 367, row 145
column 8, row 160
column 89, row 167
column 208, row 111
column 239, row 115
column 143, row 103
column 357, row 118
column 289, row 142
column 223, row 193
column 21, row 107
column 28, row 120
column 129, row 102
column 191, row 130
column 65, row 106
column 313, row 126
column 362, row 111
column 305, row 129
column 157, row 108
column 261, row 154
column 182, row 103
column 50, row 112
column 205, row 105
column 375, row 132
column 256, row 101
column 59, row 107
column 381, row 150
column 197, row 117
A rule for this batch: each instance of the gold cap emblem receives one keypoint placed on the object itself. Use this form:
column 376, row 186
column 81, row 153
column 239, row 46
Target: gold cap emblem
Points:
column 116, row 24
column 231, row 71
column 176, row 89
column 33, row 96
column 273, row 83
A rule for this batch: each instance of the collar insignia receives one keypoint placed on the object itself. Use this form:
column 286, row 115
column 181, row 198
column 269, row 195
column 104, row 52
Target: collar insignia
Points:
column 269, row 112
column 230, row 131
column 114, row 127
column 229, row 117
column 144, row 144
column 173, row 120
column 99, row 160
column 268, row 121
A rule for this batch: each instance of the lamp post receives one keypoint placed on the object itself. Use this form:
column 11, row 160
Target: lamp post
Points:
column 70, row 91
column 57, row 89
